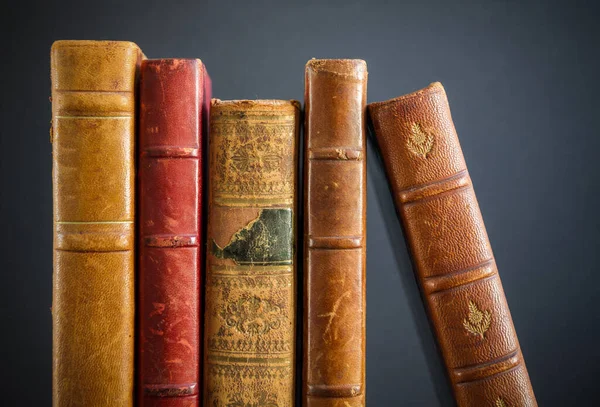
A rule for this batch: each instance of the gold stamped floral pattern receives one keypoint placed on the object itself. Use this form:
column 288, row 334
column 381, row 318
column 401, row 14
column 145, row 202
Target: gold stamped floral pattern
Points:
column 271, row 346
column 261, row 399
column 419, row 141
column 246, row 165
column 477, row 322
column 500, row 403
column 252, row 315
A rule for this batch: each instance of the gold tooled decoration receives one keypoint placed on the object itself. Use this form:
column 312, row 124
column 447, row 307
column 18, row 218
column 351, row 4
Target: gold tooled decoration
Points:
column 477, row 322
column 500, row 403
column 419, row 142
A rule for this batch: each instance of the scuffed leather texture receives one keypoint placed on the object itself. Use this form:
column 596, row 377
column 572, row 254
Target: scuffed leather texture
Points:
column 251, row 254
column 453, row 259
column 335, row 233
column 93, row 132
column 174, row 96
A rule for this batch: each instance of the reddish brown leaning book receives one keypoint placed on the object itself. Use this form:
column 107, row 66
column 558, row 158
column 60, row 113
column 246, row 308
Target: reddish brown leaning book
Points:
column 451, row 252
column 174, row 99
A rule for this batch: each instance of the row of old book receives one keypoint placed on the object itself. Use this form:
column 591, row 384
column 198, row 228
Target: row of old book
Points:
column 176, row 243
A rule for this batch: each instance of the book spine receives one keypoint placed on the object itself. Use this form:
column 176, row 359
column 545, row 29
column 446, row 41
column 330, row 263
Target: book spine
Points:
column 451, row 252
column 172, row 105
column 251, row 259
column 335, row 234
column 93, row 132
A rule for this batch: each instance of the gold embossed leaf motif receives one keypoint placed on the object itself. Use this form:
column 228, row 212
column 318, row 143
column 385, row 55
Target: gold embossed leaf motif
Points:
column 252, row 315
column 419, row 142
column 477, row 322
column 500, row 403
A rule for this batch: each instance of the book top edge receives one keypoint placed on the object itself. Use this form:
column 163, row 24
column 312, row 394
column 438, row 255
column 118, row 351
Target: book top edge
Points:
column 92, row 43
column 172, row 64
column 173, row 60
column 342, row 67
column 257, row 104
column 432, row 88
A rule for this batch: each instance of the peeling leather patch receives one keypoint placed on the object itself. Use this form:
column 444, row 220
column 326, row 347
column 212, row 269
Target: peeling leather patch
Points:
column 265, row 240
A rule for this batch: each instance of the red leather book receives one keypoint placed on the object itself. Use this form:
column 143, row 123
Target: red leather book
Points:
column 453, row 258
column 174, row 99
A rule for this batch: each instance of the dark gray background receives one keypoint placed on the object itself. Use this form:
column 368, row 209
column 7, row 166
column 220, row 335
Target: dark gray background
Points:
column 521, row 79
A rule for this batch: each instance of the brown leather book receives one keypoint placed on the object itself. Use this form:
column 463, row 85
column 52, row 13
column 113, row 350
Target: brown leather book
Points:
column 450, row 249
column 335, row 233
column 174, row 98
column 93, row 129
column 251, row 254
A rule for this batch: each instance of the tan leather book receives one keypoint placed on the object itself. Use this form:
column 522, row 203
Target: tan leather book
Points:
column 335, row 233
column 450, row 249
column 93, row 129
column 251, row 254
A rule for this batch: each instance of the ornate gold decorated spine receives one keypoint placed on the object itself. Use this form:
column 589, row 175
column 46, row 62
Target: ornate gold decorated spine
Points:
column 93, row 121
column 251, row 254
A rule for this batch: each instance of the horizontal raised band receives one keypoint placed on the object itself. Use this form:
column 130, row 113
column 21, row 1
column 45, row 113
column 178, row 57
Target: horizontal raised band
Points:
column 335, row 242
column 94, row 236
column 81, row 103
column 459, row 180
column 488, row 369
column 100, row 222
column 250, row 269
column 170, row 390
column 113, row 115
column 227, row 117
column 171, row 152
column 242, row 359
column 95, row 91
column 254, row 201
column 331, row 391
column 341, row 154
column 171, row 241
column 452, row 280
